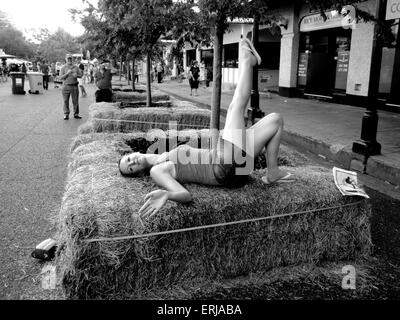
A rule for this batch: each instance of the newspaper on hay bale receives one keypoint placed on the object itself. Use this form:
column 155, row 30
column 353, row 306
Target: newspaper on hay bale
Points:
column 108, row 117
column 100, row 203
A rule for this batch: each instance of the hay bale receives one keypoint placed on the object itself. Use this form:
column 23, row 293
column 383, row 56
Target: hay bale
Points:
column 124, row 96
column 303, row 282
column 99, row 202
column 108, row 117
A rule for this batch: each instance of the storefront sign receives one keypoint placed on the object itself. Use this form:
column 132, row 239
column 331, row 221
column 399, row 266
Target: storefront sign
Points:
column 334, row 19
column 393, row 9
column 342, row 68
column 302, row 69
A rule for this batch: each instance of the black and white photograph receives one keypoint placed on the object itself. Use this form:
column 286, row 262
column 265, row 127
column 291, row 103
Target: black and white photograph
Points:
column 200, row 158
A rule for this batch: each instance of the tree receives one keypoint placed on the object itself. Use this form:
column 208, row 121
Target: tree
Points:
column 105, row 35
column 53, row 47
column 12, row 41
column 143, row 22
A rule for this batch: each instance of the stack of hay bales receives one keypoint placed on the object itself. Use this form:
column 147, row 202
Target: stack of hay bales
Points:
column 122, row 95
column 100, row 203
column 110, row 117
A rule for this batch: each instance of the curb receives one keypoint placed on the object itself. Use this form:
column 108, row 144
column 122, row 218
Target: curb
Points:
column 342, row 154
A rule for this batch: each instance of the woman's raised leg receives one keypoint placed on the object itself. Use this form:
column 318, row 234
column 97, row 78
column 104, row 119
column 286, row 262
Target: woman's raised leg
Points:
column 235, row 129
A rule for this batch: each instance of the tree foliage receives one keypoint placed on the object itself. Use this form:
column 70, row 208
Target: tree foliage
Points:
column 12, row 41
column 54, row 47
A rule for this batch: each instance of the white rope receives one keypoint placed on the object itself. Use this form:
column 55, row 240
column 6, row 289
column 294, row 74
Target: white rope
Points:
column 152, row 234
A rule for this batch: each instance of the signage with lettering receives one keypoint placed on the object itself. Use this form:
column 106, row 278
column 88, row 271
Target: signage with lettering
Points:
column 342, row 68
column 393, row 9
column 302, row 69
column 334, row 19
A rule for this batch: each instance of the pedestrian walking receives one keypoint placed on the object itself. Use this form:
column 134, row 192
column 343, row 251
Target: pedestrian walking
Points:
column 160, row 71
column 69, row 73
column 136, row 74
column 194, row 74
column 44, row 68
column 103, row 82
column 53, row 71
column 81, row 79
column 91, row 73
column 23, row 68
column 3, row 71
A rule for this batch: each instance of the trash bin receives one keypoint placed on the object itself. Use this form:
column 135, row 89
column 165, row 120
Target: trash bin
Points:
column 18, row 81
column 35, row 82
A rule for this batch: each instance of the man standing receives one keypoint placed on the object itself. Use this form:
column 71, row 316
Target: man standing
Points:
column 160, row 71
column 103, row 82
column 44, row 68
column 69, row 73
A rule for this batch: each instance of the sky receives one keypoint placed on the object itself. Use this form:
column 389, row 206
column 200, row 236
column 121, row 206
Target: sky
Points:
column 26, row 15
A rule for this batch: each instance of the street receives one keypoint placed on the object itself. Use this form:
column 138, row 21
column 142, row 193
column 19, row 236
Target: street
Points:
column 34, row 148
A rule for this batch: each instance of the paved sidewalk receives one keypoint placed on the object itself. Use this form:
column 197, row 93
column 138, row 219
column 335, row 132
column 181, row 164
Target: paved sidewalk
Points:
column 34, row 155
column 323, row 128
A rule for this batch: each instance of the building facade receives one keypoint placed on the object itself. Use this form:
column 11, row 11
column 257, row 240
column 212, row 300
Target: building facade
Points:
column 305, row 55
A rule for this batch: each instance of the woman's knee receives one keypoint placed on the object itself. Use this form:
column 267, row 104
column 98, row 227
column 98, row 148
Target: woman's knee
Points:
column 276, row 118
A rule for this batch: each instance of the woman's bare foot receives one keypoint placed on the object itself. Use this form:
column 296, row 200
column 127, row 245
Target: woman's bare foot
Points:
column 276, row 175
column 246, row 53
column 247, row 45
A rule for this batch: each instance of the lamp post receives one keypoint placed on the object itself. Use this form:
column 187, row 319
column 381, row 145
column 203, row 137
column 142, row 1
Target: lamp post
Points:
column 367, row 145
column 254, row 111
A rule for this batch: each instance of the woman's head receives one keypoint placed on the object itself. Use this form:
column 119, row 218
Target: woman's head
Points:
column 133, row 164
column 195, row 63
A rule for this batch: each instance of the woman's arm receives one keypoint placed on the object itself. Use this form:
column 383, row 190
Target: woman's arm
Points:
column 155, row 200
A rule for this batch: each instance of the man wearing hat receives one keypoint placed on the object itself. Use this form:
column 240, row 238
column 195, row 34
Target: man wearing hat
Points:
column 70, row 73
column 103, row 82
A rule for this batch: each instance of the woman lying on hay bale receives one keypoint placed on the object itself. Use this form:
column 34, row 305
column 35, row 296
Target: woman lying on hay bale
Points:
column 220, row 166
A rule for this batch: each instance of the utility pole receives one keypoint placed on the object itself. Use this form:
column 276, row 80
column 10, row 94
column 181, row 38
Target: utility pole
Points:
column 254, row 111
column 367, row 145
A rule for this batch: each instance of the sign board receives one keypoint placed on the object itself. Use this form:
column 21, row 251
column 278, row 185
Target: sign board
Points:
column 302, row 69
column 393, row 9
column 334, row 19
column 18, row 81
column 342, row 68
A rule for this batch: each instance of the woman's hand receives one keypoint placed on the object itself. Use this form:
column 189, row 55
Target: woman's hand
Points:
column 155, row 200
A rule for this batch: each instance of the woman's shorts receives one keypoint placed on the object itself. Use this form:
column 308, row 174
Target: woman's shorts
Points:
column 228, row 170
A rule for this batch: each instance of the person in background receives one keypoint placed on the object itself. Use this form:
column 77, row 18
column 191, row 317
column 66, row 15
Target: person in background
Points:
column 91, row 73
column 160, row 71
column 103, row 82
column 81, row 66
column 44, row 68
column 23, row 68
column 69, row 73
column 136, row 74
column 194, row 74
column 3, row 73
column 53, row 72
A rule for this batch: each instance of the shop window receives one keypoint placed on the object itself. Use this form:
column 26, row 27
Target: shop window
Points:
column 207, row 57
column 388, row 60
column 190, row 56
column 270, row 53
column 230, row 55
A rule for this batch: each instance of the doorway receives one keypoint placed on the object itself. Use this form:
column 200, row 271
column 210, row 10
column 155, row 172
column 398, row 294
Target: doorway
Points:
column 328, row 53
